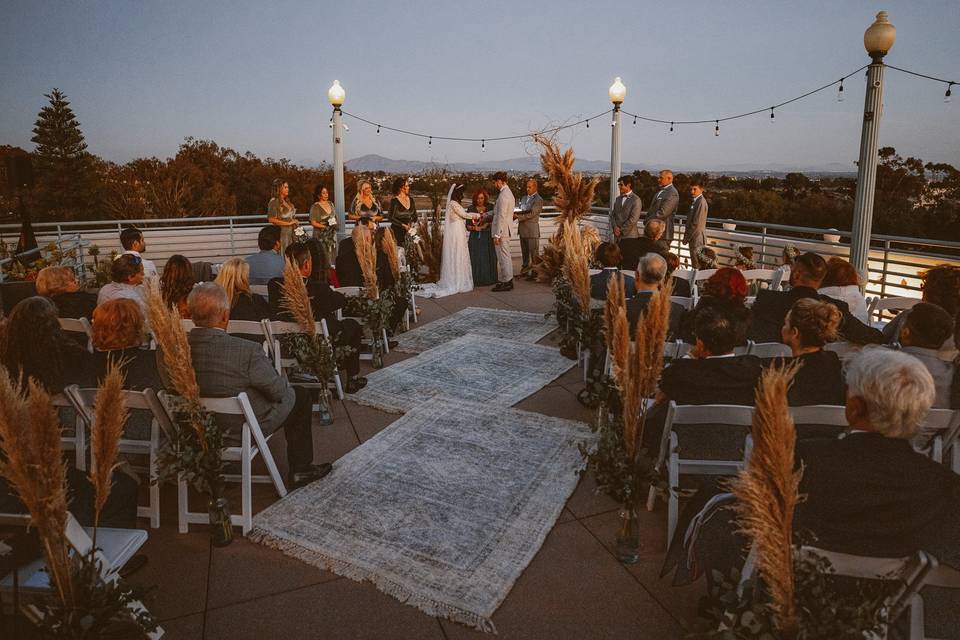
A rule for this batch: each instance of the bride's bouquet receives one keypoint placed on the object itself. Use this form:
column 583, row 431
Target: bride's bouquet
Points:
column 299, row 234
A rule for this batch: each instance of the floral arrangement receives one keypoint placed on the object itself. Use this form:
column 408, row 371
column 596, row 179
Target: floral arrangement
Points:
column 20, row 270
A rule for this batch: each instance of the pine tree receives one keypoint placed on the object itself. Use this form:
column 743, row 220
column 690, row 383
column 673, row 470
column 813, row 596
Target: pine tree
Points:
column 68, row 181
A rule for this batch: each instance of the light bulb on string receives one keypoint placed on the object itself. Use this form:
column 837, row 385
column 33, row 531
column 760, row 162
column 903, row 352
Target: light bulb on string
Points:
column 716, row 129
column 346, row 127
column 671, row 127
column 634, row 120
column 588, row 124
column 946, row 96
column 430, row 141
column 378, row 129
column 483, row 146
column 840, row 91
column 771, row 116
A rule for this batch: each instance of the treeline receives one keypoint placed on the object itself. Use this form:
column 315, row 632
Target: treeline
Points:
column 913, row 198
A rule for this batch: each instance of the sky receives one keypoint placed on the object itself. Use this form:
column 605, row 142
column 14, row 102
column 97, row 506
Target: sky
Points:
column 253, row 76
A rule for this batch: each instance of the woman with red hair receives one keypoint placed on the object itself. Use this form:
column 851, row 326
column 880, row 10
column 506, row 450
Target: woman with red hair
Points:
column 728, row 288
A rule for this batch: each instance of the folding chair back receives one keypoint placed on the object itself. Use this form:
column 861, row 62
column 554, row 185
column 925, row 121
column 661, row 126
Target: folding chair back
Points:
column 69, row 399
column 699, row 275
column 879, row 305
column 260, row 289
column 819, row 420
column 79, row 325
column 770, row 276
column 683, row 301
column 938, row 433
column 354, row 292
column 769, row 350
column 276, row 328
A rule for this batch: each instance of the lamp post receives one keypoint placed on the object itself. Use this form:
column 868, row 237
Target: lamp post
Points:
column 617, row 94
column 336, row 95
column 877, row 40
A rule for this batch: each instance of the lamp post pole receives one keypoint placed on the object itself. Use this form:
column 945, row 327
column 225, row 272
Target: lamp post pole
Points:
column 617, row 94
column 336, row 95
column 878, row 39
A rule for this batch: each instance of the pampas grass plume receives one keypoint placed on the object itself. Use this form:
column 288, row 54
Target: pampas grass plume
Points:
column 110, row 416
column 295, row 299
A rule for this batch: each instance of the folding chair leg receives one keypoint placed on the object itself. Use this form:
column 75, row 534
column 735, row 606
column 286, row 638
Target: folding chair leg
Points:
column 246, row 495
column 338, row 383
column 413, row 307
column 154, row 471
column 182, row 506
column 80, row 449
column 673, row 501
column 386, row 342
column 268, row 460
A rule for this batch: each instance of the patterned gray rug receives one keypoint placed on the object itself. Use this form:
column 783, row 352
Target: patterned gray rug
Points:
column 519, row 326
column 443, row 510
column 478, row 368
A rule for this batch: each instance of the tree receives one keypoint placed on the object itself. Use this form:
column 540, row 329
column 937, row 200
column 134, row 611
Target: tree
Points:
column 68, row 182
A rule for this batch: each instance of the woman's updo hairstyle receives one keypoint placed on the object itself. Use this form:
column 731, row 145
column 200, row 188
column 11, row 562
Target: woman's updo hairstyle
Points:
column 818, row 322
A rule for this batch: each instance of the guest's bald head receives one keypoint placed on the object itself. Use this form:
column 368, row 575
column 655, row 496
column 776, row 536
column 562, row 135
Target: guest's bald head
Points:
column 209, row 306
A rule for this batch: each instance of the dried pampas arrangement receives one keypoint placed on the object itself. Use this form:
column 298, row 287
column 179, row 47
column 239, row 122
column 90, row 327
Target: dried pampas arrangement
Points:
column 389, row 248
column 174, row 348
column 576, row 265
column 366, row 252
column 110, row 416
column 35, row 469
column 295, row 299
column 767, row 492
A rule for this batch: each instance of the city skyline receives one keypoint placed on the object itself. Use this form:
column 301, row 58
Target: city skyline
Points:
column 143, row 78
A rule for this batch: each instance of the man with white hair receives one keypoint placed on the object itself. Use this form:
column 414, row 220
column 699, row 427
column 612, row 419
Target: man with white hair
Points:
column 226, row 366
column 868, row 492
column 651, row 272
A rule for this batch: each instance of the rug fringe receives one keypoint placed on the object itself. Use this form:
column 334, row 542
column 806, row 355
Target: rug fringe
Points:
column 427, row 605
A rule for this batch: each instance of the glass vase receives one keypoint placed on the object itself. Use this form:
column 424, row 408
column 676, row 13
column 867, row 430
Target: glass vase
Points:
column 603, row 415
column 221, row 528
column 325, row 405
column 628, row 536
column 377, row 353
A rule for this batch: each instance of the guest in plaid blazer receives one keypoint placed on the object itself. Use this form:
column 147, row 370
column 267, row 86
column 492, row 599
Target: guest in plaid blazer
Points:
column 227, row 365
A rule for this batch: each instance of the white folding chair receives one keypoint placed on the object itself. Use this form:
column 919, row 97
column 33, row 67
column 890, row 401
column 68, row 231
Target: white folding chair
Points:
column 187, row 324
column 713, row 417
column 252, row 328
column 78, row 441
column 275, row 329
column 936, row 575
column 253, row 442
column 356, row 292
column 879, row 305
column 594, row 272
column 699, row 275
column 79, row 325
column 938, row 433
column 819, row 420
column 260, row 290
column 683, row 301
column 115, row 547
column 686, row 275
column 771, row 276
column 145, row 400
column 768, row 349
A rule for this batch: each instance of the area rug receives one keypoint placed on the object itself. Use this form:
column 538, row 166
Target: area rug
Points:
column 477, row 368
column 442, row 511
column 520, row 326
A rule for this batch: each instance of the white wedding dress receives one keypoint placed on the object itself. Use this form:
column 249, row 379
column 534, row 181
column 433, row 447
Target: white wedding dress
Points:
column 456, row 274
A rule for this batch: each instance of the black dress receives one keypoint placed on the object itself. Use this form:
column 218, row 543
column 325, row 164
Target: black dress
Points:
column 818, row 381
column 399, row 216
column 483, row 255
column 251, row 307
column 79, row 304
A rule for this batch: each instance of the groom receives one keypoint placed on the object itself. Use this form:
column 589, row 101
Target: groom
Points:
column 502, row 215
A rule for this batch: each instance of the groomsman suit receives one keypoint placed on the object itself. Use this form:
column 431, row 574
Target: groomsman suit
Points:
column 529, row 229
column 663, row 207
column 695, row 235
column 502, row 215
column 625, row 216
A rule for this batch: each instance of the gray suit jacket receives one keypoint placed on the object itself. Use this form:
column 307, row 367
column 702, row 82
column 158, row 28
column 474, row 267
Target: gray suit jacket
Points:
column 664, row 204
column 227, row 365
column 626, row 215
column 696, row 219
column 503, row 213
column 529, row 219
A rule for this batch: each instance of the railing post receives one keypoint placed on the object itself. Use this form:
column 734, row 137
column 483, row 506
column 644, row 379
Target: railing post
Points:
column 883, row 273
column 233, row 248
column 763, row 246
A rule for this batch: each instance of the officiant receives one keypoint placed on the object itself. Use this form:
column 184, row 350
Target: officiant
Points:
column 528, row 219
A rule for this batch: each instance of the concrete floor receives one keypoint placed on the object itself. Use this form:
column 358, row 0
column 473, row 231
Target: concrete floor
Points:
column 573, row 588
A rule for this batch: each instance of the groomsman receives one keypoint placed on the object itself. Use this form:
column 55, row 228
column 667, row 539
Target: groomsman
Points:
column 664, row 203
column 626, row 211
column 695, row 235
column 529, row 227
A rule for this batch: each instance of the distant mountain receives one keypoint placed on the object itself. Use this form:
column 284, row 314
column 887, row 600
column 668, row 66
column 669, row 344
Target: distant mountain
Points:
column 531, row 164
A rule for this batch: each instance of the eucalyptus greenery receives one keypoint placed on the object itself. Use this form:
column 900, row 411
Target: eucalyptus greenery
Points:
column 200, row 461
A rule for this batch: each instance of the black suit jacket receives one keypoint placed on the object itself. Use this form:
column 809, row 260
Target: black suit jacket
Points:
column 639, row 303
column 140, row 369
column 250, row 307
column 818, row 381
column 323, row 299
column 79, row 304
column 730, row 380
column 771, row 307
column 871, row 495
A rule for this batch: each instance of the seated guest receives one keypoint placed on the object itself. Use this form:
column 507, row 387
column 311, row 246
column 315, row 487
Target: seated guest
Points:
column 126, row 274
column 806, row 275
column 268, row 263
column 118, row 334
column 810, row 325
column 385, row 280
column 134, row 245
column 325, row 303
column 843, row 283
column 610, row 257
column 32, row 345
column 681, row 286
column 61, row 286
column 869, row 493
column 349, row 273
column 711, row 373
column 940, row 286
column 650, row 242
column 176, row 283
column 226, row 365
column 651, row 272
column 922, row 334
column 726, row 288
column 234, row 277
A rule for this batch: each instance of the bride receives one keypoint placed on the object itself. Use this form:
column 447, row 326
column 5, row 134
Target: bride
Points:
column 456, row 274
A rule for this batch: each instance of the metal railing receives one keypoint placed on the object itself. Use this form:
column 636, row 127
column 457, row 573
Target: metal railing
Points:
column 895, row 261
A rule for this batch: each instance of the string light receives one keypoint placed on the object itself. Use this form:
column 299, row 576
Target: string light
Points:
column 946, row 96
column 771, row 115
column 483, row 146
column 716, row 129
column 840, row 91
column 634, row 120
column 588, row 123
column 430, row 142
column 378, row 129
column 671, row 127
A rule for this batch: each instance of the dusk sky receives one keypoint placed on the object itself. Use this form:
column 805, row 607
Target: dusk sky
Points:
column 142, row 76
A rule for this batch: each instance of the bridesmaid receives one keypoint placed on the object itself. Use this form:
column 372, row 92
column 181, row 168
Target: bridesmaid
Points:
column 281, row 212
column 320, row 212
column 365, row 205
column 403, row 211
column 483, row 256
